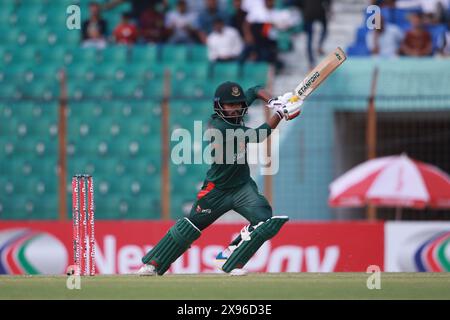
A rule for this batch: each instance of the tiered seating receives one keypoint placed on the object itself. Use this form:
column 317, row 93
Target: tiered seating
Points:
column 399, row 17
column 114, row 115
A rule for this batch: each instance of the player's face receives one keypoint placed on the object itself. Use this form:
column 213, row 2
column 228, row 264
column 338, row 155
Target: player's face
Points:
column 232, row 109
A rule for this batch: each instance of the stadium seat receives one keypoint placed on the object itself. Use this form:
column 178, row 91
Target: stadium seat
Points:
column 45, row 207
column 227, row 71
column 198, row 53
column 145, row 55
column 19, row 209
column 40, row 90
column 82, row 56
column 145, row 207
column 17, row 55
column 256, row 70
column 194, row 89
column 173, row 54
column 9, row 91
column 116, row 207
column 196, row 71
column 114, row 55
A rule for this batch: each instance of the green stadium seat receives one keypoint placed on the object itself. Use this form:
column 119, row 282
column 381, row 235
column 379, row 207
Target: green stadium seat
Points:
column 19, row 209
column 153, row 90
column 139, row 128
column 46, row 169
column 145, row 55
column 228, row 71
column 45, row 128
column 46, row 72
column 114, row 55
column 17, row 55
column 40, row 147
column 7, row 147
column 76, row 165
column 5, row 111
column 40, row 90
column 98, row 90
column 255, row 70
column 80, row 56
column 92, row 146
column 145, row 207
column 112, row 167
column 45, row 207
column 115, row 206
column 198, row 53
column 13, row 37
column 50, row 19
column 54, row 55
column 79, row 73
column 9, row 91
column 180, row 206
column 23, row 110
column 190, row 89
column 18, row 168
column 147, row 167
column 128, row 90
column 47, row 110
column 174, row 54
column 196, row 71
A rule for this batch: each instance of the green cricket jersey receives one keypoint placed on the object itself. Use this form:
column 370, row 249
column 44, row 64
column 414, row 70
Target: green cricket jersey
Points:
column 229, row 174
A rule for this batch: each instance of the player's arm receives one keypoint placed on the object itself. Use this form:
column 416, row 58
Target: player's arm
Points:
column 274, row 119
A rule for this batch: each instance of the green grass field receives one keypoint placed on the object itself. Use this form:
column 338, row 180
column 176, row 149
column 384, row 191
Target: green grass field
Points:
column 253, row 286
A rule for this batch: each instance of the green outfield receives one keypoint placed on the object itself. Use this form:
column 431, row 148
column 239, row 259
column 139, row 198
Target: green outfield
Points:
column 254, row 286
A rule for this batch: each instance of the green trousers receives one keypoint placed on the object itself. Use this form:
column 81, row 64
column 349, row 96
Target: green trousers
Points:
column 212, row 203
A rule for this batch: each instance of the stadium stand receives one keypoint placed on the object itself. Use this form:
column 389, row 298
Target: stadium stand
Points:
column 114, row 114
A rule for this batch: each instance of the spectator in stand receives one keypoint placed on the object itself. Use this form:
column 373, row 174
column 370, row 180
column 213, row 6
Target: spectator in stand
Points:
column 94, row 28
column 417, row 42
column 445, row 48
column 314, row 11
column 126, row 32
column 207, row 17
column 152, row 25
column 387, row 4
column 435, row 11
column 137, row 6
column 181, row 25
column 386, row 41
column 261, row 22
column 239, row 21
column 224, row 43
column 199, row 5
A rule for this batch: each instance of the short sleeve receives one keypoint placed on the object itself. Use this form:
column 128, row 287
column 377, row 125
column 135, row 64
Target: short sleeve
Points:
column 252, row 94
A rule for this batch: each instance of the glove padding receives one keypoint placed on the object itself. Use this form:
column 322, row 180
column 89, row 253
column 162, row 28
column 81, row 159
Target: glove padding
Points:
column 287, row 106
column 293, row 108
column 279, row 101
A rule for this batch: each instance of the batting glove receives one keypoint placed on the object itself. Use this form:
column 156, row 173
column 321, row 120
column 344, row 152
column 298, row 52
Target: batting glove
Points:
column 279, row 101
column 293, row 108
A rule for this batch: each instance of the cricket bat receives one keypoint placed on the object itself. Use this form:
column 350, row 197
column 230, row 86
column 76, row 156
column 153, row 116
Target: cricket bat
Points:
column 320, row 73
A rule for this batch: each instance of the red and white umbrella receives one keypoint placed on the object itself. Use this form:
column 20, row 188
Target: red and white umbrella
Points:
column 394, row 181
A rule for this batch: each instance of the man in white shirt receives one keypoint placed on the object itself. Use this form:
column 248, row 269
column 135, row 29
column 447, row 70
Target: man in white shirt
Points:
column 224, row 43
column 181, row 24
column 386, row 41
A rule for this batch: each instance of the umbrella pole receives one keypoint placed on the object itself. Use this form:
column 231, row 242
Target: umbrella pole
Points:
column 371, row 213
column 398, row 213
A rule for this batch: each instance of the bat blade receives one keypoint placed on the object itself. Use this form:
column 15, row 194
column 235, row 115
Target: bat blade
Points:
column 320, row 73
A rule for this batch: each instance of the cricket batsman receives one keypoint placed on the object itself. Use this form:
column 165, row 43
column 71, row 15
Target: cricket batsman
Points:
column 228, row 185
